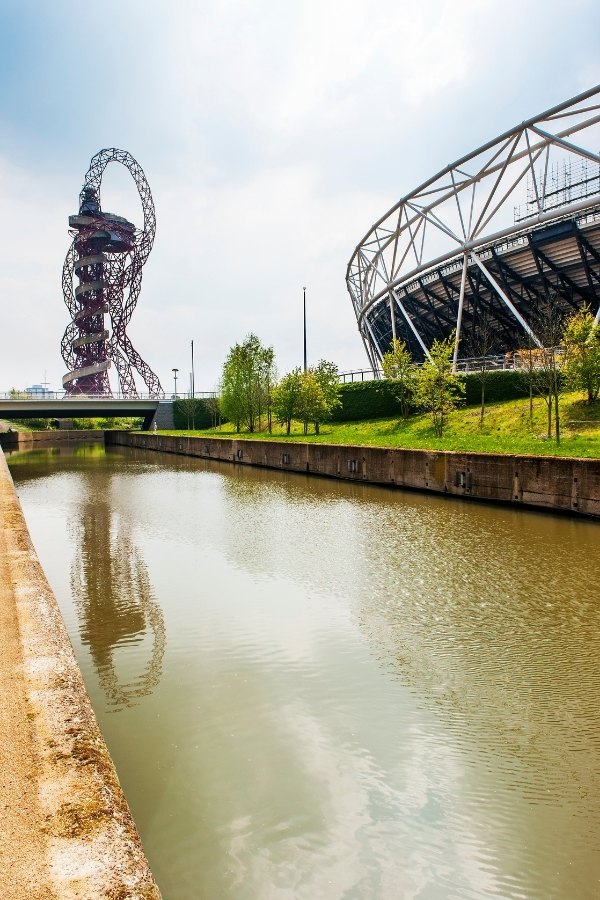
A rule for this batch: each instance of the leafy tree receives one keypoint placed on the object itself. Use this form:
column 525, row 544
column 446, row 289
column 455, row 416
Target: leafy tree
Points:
column 327, row 376
column 286, row 398
column 546, row 373
column 232, row 388
column 308, row 396
column 267, row 375
column 438, row 389
column 398, row 366
column 312, row 402
column 581, row 339
column 248, row 373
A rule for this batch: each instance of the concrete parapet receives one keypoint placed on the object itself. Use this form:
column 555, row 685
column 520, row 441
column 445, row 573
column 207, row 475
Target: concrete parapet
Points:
column 67, row 831
column 560, row 484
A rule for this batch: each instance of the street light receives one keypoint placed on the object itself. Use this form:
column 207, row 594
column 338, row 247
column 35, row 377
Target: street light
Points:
column 304, row 290
column 175, row 371
column 193, row 378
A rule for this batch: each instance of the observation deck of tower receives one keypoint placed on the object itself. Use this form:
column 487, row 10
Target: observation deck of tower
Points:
column 90, row 348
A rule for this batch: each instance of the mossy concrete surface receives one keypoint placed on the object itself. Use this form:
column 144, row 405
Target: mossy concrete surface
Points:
column 556, row 484
column 67, row 831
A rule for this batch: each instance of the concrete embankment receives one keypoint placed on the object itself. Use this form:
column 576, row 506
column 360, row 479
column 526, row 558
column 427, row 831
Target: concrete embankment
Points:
column 38, row 440
column 560, row 484
column 67, row 831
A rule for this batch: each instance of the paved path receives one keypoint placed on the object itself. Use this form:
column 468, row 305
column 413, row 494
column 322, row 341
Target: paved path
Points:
column 24, row 869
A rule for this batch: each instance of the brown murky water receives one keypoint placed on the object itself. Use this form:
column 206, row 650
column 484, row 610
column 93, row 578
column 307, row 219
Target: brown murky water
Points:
column 320, row 690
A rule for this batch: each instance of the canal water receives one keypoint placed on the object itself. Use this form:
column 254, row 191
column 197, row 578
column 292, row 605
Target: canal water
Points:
column 317, row 690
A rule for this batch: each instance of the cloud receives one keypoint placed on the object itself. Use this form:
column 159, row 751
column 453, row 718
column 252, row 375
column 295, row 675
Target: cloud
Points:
column 272, row 136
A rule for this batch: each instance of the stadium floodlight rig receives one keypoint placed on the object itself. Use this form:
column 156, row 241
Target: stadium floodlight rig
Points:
column 489, row 237
column 106, row 255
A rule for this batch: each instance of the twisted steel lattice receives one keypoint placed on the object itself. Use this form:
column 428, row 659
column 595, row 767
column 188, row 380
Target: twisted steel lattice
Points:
column 107, row 254
column 466, row 242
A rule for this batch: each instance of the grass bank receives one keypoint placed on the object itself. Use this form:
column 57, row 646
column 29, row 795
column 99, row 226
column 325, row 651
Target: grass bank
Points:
column 506, row 428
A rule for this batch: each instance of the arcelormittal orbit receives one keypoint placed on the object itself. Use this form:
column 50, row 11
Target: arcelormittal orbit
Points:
column 106, row 257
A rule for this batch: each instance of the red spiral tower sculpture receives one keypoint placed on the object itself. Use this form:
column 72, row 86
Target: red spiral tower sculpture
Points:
column 106, row 256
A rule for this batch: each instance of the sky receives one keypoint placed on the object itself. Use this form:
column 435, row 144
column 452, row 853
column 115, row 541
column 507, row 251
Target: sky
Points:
column 272, row 135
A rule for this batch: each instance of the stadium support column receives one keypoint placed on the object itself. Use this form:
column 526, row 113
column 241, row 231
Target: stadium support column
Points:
column 392, row 317
column 503, row 296
column 411, row 325
column 461, row 302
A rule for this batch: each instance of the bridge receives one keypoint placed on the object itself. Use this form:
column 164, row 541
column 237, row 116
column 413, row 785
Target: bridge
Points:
column 59, row 405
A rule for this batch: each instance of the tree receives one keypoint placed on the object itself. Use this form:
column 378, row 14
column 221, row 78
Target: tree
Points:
column 308, row 396
column 312, row 403
column 398, row 366
column 286, row 398
column 247, row 375
column 212, row 406
column 546, row 374
column 327, row 376
column 438, row 390
column 267, row 375
column 188, row 408
column 481, row 345
column 525, row 361
column 581, row 339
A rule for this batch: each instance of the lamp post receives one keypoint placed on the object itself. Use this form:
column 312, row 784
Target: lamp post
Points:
column 304, row 292
column 175, row 371
column 193, row 378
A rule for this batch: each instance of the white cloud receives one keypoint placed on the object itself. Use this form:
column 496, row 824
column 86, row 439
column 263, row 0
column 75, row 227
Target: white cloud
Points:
column 273, row 135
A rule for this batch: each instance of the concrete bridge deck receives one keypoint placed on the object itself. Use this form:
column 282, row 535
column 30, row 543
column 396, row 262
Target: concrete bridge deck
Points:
column 60, row 406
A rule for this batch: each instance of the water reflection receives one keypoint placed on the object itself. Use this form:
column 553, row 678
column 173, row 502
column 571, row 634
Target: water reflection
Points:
column 119, row 619
column 491, row 618
column 368, row 694
column 112, row 589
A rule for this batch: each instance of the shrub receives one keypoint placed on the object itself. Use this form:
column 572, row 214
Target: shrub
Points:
column 366, row 400
column 499, row 385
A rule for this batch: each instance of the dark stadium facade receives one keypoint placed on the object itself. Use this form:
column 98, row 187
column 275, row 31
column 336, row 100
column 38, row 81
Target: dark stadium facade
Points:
column 490, row 238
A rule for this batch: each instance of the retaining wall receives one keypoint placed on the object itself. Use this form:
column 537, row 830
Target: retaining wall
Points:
column 32, row 440
column 553, row 483
column 75, row 817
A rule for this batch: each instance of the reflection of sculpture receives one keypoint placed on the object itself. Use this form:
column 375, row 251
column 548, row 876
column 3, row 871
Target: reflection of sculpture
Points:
column 112, row 590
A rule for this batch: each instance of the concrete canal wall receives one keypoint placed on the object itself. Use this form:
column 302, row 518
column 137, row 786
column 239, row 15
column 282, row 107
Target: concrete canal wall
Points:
column 66, row 827
column 552, row 483
column 67, row 831
column 37, row 440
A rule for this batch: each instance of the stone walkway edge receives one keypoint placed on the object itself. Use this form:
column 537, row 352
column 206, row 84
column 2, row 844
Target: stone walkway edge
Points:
column 82, row 839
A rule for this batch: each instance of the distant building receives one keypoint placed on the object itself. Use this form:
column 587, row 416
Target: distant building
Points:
column 38, row 390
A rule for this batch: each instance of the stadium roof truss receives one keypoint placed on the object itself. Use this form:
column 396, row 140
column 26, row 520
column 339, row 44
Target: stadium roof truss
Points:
column 491, row 234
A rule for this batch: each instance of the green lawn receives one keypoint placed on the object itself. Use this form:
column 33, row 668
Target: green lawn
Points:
column 506, row 429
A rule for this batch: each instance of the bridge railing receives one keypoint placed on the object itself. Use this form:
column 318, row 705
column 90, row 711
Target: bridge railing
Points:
column 478, row 363
column 359, row 375
column 502, row 361
column 62, row 395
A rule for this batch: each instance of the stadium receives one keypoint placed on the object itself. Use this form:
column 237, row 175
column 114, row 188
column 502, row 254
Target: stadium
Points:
column 487, row 241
